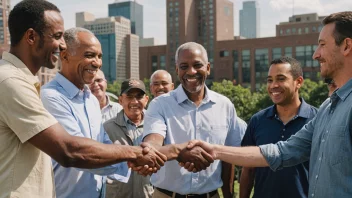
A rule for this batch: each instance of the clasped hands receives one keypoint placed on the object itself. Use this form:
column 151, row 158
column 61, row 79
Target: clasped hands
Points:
column 194, row 156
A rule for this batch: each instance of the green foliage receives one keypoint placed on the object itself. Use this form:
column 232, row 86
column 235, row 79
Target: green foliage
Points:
column 114, row 88
column 245, row 101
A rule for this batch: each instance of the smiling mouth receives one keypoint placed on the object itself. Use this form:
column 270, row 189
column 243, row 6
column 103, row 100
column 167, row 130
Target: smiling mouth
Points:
column 275, row 93
column 91, row 71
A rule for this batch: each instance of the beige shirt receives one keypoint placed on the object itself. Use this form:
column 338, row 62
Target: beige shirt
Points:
column 25, row 171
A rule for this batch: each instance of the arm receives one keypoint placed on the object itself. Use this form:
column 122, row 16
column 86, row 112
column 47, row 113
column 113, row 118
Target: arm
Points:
column 71, row 151
column 247, row 182
column 227, row 179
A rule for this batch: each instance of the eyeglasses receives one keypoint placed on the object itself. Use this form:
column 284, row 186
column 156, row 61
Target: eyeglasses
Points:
column 139, row 96
column 160, row 83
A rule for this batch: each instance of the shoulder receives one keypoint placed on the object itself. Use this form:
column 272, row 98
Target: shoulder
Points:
column 10, row 71
column 50, row 90
column 220, row 99
column 262, row 114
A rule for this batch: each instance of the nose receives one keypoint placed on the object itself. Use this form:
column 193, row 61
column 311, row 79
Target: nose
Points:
column 316, row 54
column 191, row 70
column 97, row 62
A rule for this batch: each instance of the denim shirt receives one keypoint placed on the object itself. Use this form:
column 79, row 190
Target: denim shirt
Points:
column 326, row 142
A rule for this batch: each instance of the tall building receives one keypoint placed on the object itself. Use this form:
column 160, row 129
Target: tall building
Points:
column 300, row 24
column 4, row 30
column 132, row 11
column 250, row 20
column 243, row 61
column 120, row 47
column 202, row 21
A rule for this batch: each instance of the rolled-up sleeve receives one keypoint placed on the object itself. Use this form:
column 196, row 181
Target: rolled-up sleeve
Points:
column 154, row 121
column 294, row 151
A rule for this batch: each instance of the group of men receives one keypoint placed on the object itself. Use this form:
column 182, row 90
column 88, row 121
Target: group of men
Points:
column 67, row 139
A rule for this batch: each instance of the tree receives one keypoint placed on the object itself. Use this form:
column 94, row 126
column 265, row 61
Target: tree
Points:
column 114, row 88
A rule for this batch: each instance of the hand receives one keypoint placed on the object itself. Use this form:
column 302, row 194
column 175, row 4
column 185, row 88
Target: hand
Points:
column 144, row 168
column 197, row 157
column 209, row 148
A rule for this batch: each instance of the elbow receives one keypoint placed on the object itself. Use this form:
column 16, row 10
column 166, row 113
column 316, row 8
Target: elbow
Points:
column 67, row 161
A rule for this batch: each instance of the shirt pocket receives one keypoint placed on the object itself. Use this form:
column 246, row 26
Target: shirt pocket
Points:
column 336, row 141
column 218, row 134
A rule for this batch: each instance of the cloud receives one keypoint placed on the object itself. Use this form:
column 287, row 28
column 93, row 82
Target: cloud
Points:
column 304, row 5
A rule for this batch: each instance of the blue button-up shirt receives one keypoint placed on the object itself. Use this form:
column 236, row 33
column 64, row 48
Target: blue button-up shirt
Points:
column 79, row 113
column 326, row 141
column 179, row 120
column 266, row 127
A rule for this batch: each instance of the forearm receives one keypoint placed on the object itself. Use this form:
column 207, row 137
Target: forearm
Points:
column 247, row 182
column 242, row 156
column 86, row 153
column 227, row 179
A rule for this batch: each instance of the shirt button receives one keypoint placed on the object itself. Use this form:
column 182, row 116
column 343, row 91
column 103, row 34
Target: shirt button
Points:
column 316, row 177
column 283, row 129
column 327, row 131
column 319, row 158
column 313, row 195
column 323, row 140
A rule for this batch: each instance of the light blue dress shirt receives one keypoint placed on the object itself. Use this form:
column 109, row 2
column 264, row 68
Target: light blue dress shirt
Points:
column 179, row 120
column 79, row 113
column 326, row 141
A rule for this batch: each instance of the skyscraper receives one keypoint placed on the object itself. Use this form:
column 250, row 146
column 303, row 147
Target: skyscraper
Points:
column 132, row 11
column 120, row 47
column 4, row 30
column 249, row 20
column 202, row 21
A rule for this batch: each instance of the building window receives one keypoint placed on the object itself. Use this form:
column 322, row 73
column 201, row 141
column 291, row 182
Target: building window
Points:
column 276, row 53
column 154, row 63
column 299, row 31
column 288, row 31
column 293, row 30
column 246, row 67
column 281, row 32
column 306, row 30
column 314, row 29
column 235, row 65
column 288, row 51
column 162, row 62
column 315, row 62
column 224, row 53
column 304, row 55
column 261, row 65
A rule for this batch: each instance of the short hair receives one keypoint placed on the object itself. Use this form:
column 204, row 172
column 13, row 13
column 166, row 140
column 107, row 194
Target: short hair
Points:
column 28, row 14
column 71, row 38
column 343, row 25
column 158, row 71
column 189, row 46
column 296, row 69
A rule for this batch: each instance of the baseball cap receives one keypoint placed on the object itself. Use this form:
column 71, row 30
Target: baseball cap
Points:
column 132, row 84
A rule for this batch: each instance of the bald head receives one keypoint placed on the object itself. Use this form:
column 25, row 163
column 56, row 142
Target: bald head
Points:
column 191, row 46
column 160, row 83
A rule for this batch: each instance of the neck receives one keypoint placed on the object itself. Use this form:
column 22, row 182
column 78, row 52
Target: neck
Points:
column 196, row 97
column 103, row 101
column 343, row 75
column 136, row 119
column 25, row 58
column 287, row 112
column 69, row 77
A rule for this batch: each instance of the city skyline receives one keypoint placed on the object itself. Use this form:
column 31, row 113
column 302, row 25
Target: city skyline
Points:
column 272, row 13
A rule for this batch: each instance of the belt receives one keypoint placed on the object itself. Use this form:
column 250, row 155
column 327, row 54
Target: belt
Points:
column 170, row 194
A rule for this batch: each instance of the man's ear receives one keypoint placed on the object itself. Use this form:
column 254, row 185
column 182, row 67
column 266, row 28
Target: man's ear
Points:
column 299, row 81
column 31, row 36
column 347, row 46
column 64, row 55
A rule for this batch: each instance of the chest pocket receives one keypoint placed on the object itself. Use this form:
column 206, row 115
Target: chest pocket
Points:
column 218, row 134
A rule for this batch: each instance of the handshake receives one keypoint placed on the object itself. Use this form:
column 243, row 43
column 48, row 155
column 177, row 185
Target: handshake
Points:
column 195, row 155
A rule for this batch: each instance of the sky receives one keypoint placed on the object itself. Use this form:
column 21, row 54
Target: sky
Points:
column 272, row 12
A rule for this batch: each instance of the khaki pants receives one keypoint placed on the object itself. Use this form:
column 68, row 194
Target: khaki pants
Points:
column 158, row 194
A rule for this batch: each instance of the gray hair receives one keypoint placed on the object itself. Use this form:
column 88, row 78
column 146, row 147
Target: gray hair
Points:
column 158, row 71
column 71, row 39
column 191, row 46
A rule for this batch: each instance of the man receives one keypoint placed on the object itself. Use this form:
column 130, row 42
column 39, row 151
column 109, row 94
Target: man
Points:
column 126, row 129
column 109, row 109
column 326, row 140
column 26, row 128
column 188, row 112
column 161, row 83
column 277, row 123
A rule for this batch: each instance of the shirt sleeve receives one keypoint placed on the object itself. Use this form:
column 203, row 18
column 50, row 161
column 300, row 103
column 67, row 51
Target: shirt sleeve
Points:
column 294, row 151
column 234, row 134
column 21, row 109
column 154, row 121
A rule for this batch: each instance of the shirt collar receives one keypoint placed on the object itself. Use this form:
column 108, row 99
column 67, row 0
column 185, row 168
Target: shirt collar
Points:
column 69, row 87
column 344, row 91
column 108, row 103
column 20, row 65
column 181, row 95
column 128, row 121
column 303, row 111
